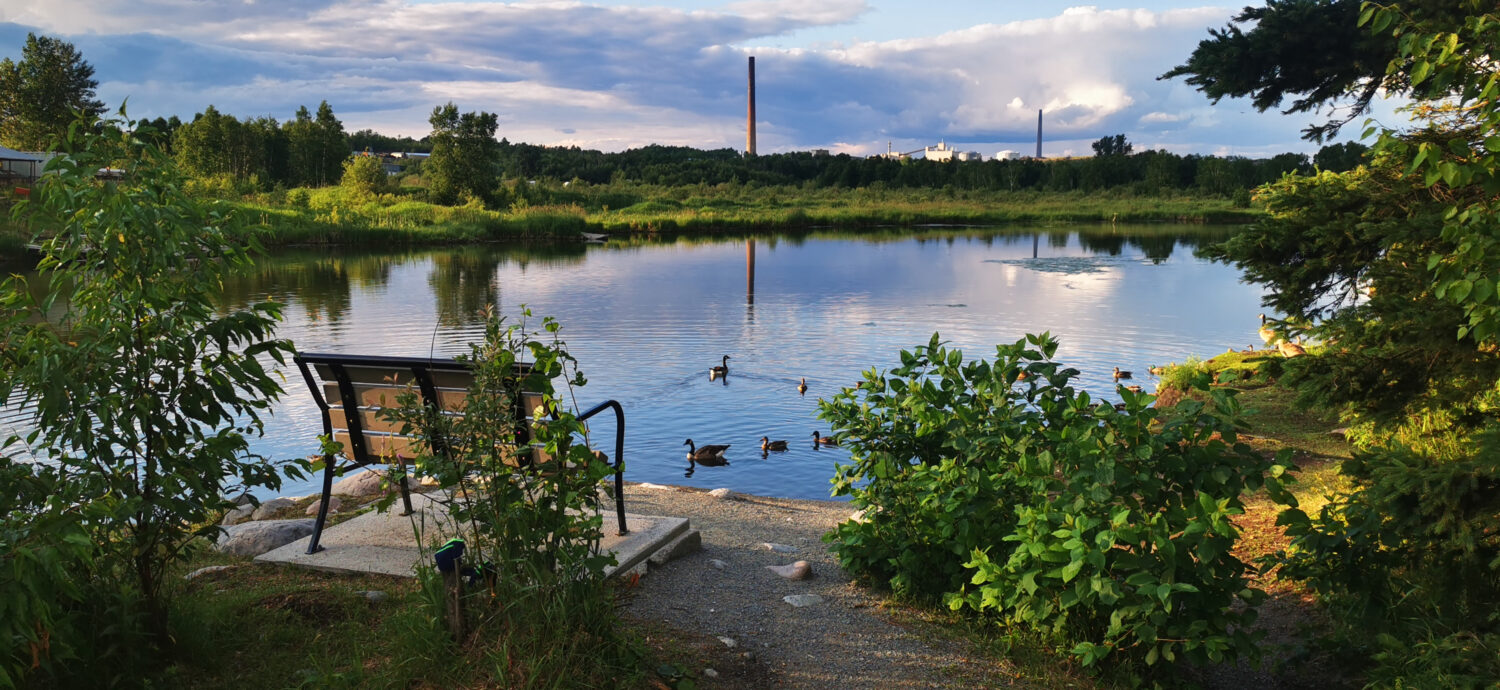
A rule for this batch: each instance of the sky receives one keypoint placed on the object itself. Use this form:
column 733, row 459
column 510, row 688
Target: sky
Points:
column 851, row 76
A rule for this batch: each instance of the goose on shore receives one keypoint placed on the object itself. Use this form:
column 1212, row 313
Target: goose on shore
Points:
column 721, row 370
column 802, row 387
column 706, row 454
column 1290, row 349
column 1121, row 374
column 1267, row 334
column 767, row 445
column 823, row 440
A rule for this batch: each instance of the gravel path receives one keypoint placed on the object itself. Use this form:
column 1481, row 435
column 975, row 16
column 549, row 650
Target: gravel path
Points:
column 842, row 642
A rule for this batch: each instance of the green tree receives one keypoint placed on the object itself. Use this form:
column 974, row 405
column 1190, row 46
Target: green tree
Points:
column 1112, row 146
column 363, row 176
column 143, row 390
column 1340, row 157
column 464, row 155
column 44, row 92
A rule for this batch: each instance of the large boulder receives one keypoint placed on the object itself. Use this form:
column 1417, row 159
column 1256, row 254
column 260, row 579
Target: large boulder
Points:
column 270, row 508
column 362, row 484
column 256, row 538
column 238, row 515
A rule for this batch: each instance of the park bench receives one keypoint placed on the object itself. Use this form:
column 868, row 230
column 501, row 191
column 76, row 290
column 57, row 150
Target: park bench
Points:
column 350, row 391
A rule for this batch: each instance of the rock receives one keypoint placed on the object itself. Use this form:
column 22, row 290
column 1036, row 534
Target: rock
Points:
column 710, row 673
column 729, row 642
column 375, row 596
column 238, row 515
column 747, row 656
column 241, row 500
column 717, row 563
column 658, row 487
column 207, row 570
column 778, row 548
column 271, row 507
column 256, row 538
column 857, row 516
column 367, row 483
column 333, row 506
column 1340, row 433
column 800, row 600
column 686, row 543
column 793, row 571
column 722, row 493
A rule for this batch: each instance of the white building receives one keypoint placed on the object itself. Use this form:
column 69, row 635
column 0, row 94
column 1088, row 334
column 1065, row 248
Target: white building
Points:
column 941, row 152
column 1007, row 155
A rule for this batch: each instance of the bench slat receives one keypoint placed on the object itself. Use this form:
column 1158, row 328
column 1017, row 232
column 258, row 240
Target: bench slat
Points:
column 394, row 376
column 370, row 420
column 449, row 399
column 396, row 447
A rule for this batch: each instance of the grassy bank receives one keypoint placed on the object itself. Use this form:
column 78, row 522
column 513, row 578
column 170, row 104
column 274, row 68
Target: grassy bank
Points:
column 331, row 216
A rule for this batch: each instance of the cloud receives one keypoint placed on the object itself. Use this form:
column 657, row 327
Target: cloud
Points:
column 610, row 76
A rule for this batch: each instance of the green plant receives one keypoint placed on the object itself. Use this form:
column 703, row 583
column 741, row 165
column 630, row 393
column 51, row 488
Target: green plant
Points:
column 364, row 176
column 142, row 389
column 1030, row 500
column 527, row 511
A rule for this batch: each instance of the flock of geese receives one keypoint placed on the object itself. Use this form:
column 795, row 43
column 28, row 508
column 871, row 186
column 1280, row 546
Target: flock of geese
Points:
column 713, row 455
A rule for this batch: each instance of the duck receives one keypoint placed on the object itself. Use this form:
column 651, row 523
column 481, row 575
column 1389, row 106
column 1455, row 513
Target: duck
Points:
column 1267, row 334
column 1156, row 371
column 767, row 445
column 823, row 440
column 1133, row 389
column 802, row 387
column 1121, row 374
column 721, row 370
column 706, row 454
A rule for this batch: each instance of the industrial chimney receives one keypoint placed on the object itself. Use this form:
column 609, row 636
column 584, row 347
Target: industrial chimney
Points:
column 750, row 116
column 1038, row 126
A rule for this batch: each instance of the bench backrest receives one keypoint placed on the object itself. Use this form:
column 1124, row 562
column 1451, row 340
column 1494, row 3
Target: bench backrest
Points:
column 351, row 391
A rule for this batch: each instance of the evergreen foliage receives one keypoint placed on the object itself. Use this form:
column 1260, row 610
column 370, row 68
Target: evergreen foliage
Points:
column 43, row 93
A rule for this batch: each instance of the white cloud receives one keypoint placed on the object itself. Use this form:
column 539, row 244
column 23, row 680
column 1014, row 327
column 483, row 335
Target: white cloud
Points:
column 618, row 75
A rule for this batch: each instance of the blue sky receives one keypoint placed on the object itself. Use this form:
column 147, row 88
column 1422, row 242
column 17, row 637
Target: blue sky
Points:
column 848, row 75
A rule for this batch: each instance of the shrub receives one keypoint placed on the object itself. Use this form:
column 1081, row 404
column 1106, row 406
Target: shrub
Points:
column 1035, row 503
column 143, row 389
column 364, row 176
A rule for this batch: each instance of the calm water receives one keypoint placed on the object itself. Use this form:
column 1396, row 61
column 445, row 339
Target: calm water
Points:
column 646, row 321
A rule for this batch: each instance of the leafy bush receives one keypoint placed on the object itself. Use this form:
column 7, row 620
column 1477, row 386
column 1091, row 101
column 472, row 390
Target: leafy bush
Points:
column 1031, row 501
column 364, row 176
column 142, row 389
column 529, row 516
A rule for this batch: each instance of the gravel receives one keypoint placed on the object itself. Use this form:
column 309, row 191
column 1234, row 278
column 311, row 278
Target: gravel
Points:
column 842, row 641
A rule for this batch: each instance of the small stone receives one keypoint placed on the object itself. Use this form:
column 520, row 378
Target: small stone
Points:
column 1340, row 433
column 747, row 656
column 729, row 642
column 207, row 570
column 857, row 516
column 799, row 570
column 333, row 506
column 721, row 493
column 271, row 507
column 375, row 596
column 658, row 487
column 717, row 563
column 778, row 548
column 800, row 600
column 710, row 673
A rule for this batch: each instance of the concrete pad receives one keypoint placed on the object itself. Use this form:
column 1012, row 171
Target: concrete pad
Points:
column 386, row 543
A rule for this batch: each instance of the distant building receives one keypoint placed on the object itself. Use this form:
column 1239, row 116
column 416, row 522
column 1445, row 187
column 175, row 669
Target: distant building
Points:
column 968, row 156
column 1007, row 155
column 17, row 166
column 941, row 152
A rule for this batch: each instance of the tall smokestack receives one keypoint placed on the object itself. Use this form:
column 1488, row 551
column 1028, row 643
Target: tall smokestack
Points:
column 750, row 116
column 1039, row 133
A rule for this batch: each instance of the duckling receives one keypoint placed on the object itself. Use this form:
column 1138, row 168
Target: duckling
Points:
column 802, row 387
column 1121, row 374
column 721, row 370
column 823, row 440
column 707, row 454
column 767, row 445
column 1267, row 334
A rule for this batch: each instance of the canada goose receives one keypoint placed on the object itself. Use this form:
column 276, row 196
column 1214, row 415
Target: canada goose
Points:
column 1267, row 334
column 706, row 454
column 721, row 370
column 1121, row 374
column 823, row 440
column 766, row 445
column 802, row 387
column 1290, row 349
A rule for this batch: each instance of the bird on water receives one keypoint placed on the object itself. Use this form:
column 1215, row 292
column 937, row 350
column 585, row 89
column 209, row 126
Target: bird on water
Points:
column 823, row 440
column 802, row 387
column 705, row 454
column 721, row 370
column 1121, row 374
column 766, row 444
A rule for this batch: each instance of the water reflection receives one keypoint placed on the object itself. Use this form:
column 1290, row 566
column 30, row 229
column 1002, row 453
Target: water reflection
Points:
column 646, row 316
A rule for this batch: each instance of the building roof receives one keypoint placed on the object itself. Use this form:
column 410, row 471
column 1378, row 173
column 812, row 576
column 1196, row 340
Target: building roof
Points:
column 14, row 155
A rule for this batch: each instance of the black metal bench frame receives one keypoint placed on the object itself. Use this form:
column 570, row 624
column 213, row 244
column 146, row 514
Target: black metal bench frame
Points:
column 422, row 369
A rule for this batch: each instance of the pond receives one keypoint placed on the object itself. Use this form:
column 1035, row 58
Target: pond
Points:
column 646, row 319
